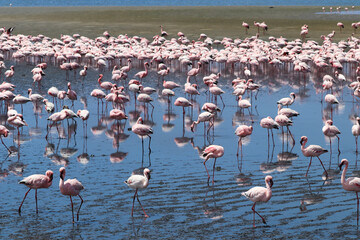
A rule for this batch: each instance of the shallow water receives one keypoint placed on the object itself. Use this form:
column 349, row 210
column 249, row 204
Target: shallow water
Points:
column 174, row 3
column 179, row 200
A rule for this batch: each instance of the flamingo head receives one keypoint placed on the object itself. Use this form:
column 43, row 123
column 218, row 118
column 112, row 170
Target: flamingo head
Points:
column 140, row 120
column 62, row 173
column 293, row 94
column 69, row 85
column 78, row 112
column 147, row 173
column 269, row 180
column 330, row 122
column 29, row 90
column 344, row 161
column 50, row 174
column 6, row 133
column 358, row 119
column 303, row 139
column 146, row 64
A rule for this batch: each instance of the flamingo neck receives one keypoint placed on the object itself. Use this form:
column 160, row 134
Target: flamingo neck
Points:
column 344, row 173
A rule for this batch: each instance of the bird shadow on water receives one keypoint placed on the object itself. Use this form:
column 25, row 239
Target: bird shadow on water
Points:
column 211, row 210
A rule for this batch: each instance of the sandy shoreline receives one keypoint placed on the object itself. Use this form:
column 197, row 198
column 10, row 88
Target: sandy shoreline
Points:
column 216, row 22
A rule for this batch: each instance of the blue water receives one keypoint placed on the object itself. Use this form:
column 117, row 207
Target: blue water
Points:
column 56, row 3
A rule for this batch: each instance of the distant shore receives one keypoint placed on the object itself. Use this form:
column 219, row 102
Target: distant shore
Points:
column 216, row 22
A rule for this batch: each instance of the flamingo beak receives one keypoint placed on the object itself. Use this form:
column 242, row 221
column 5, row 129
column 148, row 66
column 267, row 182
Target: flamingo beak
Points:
column 301, row 141
column 340, row 166
column 271, row 183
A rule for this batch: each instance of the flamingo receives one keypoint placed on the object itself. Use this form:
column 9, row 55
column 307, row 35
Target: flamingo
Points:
column 57, row 117
column 136, row 181
column 84, row 115
column 142, row 130
column 330, row 98
column 355, row 130
column 259, row 194
column 312, row 151
column 143, row 74
column 117, row 114
column 37, row 181
column 10, row 73
column 340, row 25
column 128, row 67
column 246, row 26
column 203, row 117
column 18, row 121
column 212, row 151
column 287, row 101
column 4, row 132
column 104, row 85
column 330, row 131
column 182, row 102
column 350, row 184
column 49, row 106
column 83, row 72
column 70, row 187
column 269, row 123
column 210, row 107
column 242, row 131
column 194, row 71
column 71, row 94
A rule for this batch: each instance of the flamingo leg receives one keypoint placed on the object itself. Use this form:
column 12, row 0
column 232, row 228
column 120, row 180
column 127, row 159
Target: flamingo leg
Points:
column 213, row 181
column 36, row 200
column 323, row 166
column 79, row 207
column 72, row 209
column 356, row 143
column 132, row 209
column 357, row 197
column 149, row 143
column 308, row 167
column 4, row 144
column 254, row 211
column 338, row 143
column 137, row 197
column 207, row 170
column 23, row 200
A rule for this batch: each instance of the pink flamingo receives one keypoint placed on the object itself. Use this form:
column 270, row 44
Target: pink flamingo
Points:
column 57, row 117
column 203, row 117
column 287, row 101
column 210, row 107
column 37, row 181
column 84, row 115
column 170, row 84
column 355, row 130
column 330, row 131
column 104, row 85
column 182, row 102
column 70, row 187
column 350, row 184
column 71, row 94
column 117, row 114
column 128, row 67
column 212, row 151
column 142, row 130
column 194, row 71
column 340, row 25
column 269, row 123
column 10, row 73
column 242, row 131
column 259, row 194
column 18, row 121
column 284, row 121
column 53, row 92
column 136, row 181
column 143, row 74
column 83, row 72
column 312, row 151
column 246, row 26
column 4, row 132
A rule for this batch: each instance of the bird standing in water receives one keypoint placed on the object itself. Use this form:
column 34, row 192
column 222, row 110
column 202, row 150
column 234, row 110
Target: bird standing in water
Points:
column 137, row 181
column 259, row 194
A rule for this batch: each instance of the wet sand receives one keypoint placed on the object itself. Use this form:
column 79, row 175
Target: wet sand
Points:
column 216, row 22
